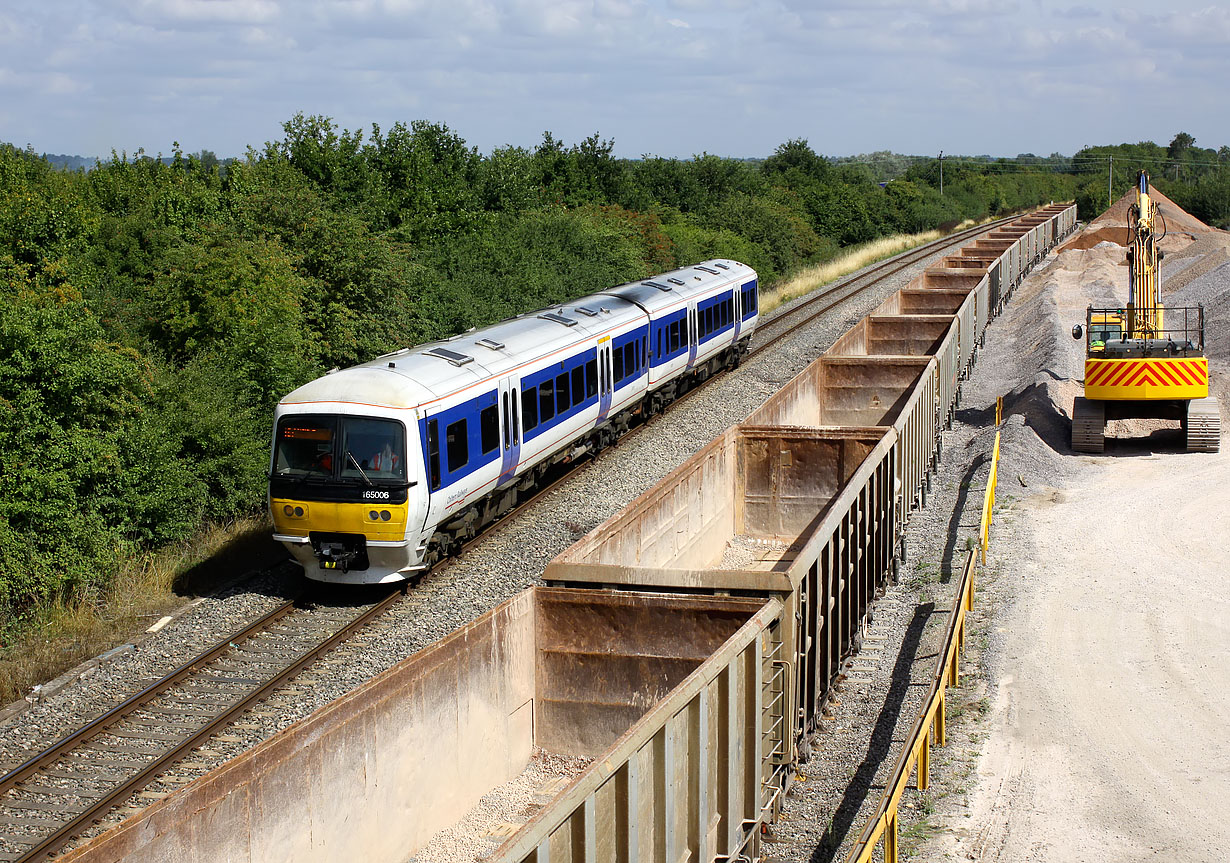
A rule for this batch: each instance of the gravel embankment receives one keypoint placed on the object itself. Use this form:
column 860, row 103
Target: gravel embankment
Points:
column 494, row 570
column 855, row 751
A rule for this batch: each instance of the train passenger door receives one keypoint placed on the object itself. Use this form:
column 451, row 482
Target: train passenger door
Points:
column 510, row 428
column 736, row 305
column 693, row 336
column 606, row 380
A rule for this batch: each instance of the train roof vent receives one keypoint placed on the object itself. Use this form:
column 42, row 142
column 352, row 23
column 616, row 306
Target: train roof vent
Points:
column 658, row 285
column 587, row 311
column 709, row 270
column 491, row 343
column 721, row 266
column 452, row 356
column 675, row 281
column 559, row 319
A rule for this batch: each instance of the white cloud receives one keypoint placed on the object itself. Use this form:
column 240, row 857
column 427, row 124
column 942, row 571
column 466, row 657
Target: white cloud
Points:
column 851, row 76
column 220, row 11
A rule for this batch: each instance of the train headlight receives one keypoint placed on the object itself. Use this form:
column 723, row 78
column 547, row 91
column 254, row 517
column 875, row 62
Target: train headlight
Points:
column 299, row 512
column 288, row 509
column 373, row 515
column 384, row 515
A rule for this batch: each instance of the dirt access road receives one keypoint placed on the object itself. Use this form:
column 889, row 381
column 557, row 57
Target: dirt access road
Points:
column 1107, row 731
column 1110, row 724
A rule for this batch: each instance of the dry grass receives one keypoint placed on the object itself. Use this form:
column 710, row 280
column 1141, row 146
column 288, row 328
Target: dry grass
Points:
column 848, row 261
column 56, row 637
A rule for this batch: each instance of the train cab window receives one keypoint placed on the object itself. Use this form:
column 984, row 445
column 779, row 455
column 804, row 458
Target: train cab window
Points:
column 305, row 447
column 529, row 407
column 591, row 379
column 618, row 356
column 562, row 401
column 578, row 385
column 456, row 445
column 372, row 449
column 489, row 428
column 546, row 400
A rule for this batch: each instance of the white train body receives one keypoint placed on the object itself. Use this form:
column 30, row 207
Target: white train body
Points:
column 381, row 469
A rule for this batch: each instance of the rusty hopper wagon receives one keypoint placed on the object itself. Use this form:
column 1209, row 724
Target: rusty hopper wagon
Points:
column 677, row 659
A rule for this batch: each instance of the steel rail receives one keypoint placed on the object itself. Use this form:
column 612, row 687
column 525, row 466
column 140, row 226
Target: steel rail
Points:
column 70, row 829
column 897, row 263
column 98, row 725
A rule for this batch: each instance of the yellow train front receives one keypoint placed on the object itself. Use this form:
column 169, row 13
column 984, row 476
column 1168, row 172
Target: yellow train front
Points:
column 341, row 495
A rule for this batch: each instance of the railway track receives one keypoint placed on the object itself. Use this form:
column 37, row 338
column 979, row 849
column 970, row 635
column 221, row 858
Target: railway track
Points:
column 60, row 792
column 782, row 326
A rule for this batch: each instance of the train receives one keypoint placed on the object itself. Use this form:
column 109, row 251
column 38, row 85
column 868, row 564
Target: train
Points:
column 380, row 470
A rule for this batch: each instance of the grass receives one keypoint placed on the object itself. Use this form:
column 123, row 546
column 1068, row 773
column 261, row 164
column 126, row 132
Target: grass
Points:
column 846, row 262
column 57, row 636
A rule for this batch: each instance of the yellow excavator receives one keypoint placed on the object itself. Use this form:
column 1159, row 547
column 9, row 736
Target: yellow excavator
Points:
column 1142, row 361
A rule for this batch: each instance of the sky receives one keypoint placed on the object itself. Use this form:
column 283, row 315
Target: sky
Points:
column 662, row 77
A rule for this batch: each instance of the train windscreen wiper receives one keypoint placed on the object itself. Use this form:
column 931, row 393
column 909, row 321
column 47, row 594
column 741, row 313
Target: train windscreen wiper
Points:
column 354, row 461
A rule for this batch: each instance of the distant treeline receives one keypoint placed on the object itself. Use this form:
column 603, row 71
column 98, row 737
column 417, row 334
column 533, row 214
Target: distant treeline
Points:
column 1195, row 178
column 154, row 310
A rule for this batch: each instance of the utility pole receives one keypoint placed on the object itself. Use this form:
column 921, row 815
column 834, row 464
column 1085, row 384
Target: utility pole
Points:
column 1110, row 184
column 941, row 173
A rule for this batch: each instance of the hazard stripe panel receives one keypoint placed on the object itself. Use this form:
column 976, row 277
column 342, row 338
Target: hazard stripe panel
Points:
column 1164, row 378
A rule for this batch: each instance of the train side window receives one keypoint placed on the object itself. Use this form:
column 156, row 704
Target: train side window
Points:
column 456, row 445
column 629, row 359
column 709, row 327
column 578, row 385
column 546, row 400
column 529, row 407
column 562, row 402
column 674, row 337
column 488, row 429
column 659, row 343
column 618, row 356
column 433, row 453
column 591, row 379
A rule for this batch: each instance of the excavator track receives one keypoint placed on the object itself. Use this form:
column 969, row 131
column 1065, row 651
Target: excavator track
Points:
column 1203, row 425
column 1089, row 426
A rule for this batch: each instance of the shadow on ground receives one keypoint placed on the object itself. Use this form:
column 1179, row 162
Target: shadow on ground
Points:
column 863, row 782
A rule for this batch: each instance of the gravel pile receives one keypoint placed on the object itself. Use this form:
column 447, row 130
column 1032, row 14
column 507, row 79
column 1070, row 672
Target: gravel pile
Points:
column 485, row 827
column 507, row 562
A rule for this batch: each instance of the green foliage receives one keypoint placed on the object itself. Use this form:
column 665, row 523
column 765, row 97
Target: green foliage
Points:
column 85, row 468
column 155, row 309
